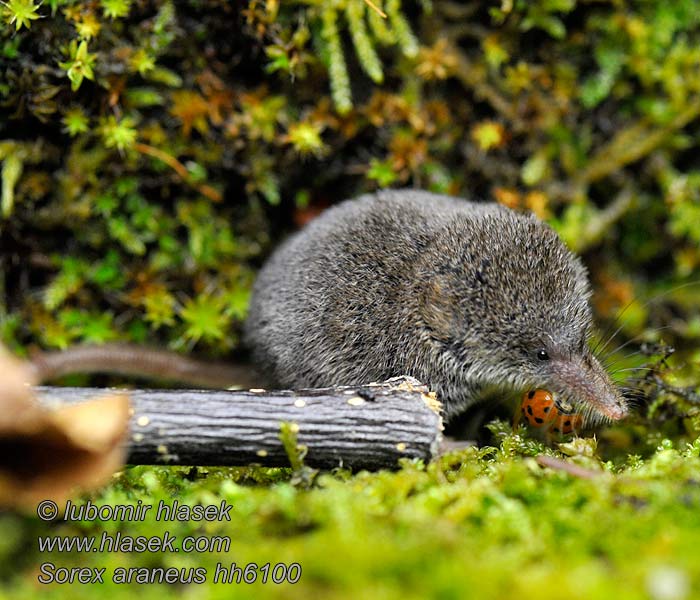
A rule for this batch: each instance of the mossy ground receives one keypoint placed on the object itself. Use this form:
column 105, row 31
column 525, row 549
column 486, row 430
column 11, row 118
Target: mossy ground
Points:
column 477, row 523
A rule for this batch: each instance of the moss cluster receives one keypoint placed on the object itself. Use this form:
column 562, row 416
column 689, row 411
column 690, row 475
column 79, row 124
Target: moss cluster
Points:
column 478, row 523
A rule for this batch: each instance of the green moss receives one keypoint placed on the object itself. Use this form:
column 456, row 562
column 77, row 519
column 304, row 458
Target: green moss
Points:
column 475, row 520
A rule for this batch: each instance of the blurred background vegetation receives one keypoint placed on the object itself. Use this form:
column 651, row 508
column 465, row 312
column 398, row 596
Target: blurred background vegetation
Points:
column 154, row 152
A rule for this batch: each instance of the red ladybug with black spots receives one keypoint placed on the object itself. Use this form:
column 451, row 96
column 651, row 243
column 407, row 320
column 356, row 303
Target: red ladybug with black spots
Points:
column 540, row 409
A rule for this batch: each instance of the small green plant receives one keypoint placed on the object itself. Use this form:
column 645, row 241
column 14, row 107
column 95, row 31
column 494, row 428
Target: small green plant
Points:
column 79, row 65
column 119, row 134
column 115, row 9
column 20, row 13
column 357, row 15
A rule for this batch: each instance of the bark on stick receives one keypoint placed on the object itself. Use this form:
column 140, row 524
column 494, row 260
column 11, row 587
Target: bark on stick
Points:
column 362, row 427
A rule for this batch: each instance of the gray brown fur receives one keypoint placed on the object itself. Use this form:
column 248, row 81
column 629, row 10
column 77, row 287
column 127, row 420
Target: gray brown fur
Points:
column 460, row 295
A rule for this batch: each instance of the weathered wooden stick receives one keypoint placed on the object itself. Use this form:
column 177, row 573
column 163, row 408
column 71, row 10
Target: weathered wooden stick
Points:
column 362, row 427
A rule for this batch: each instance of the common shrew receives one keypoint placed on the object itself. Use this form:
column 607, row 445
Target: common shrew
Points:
column 470, row 298
column 466, row 297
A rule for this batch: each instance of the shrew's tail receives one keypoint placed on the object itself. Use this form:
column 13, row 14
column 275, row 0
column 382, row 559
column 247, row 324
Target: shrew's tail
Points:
column 142, row 362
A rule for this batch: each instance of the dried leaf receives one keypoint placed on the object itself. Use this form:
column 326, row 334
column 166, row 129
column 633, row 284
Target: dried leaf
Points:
column 48, row 453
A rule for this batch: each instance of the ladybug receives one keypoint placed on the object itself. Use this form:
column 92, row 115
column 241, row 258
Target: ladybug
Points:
column 540, row 409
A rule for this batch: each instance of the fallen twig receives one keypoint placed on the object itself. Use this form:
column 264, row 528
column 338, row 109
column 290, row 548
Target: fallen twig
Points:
column 363, row 427
column 570, row 468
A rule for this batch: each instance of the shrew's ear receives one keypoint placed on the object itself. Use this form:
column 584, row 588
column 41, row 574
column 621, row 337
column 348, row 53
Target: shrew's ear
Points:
column 438, row 308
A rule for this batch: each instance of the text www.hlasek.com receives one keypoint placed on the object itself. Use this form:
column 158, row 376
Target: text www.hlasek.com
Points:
column 234, row 573
column 126, row 543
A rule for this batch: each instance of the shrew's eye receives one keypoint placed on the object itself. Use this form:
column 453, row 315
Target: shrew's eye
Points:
column 542, row 355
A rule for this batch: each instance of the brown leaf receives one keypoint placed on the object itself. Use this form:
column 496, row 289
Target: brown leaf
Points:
column 48, row 453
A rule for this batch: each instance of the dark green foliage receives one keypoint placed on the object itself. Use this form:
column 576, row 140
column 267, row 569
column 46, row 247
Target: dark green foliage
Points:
column 145, row 143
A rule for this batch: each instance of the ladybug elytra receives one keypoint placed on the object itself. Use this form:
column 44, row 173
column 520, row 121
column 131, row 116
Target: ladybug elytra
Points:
column 540, row 409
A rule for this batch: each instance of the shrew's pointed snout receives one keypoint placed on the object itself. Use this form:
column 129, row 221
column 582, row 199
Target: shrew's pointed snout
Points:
column 583, row 379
